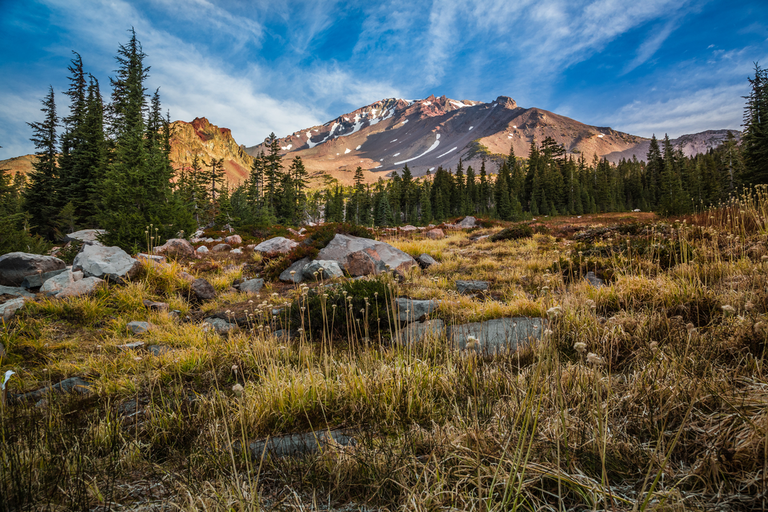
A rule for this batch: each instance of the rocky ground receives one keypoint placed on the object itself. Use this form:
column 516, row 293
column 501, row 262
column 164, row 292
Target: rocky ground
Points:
column 610, row 361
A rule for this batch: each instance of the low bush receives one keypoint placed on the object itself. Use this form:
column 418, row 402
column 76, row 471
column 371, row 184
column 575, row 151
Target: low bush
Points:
column 515, row 232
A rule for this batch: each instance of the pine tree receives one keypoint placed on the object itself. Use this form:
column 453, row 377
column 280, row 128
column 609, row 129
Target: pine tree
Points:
column 41, row 197
column 755, row 139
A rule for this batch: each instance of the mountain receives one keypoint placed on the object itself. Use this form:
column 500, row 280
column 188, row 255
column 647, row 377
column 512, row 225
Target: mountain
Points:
column 208, row 141
column 691, row 145
column 386, row 135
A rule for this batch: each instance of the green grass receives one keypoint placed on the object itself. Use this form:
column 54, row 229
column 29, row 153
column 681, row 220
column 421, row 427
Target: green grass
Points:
column 645, row 394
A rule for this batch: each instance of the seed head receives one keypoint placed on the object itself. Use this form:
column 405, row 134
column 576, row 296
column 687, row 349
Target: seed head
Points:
column 595, row 359
column 238, row 389
column 580, row 347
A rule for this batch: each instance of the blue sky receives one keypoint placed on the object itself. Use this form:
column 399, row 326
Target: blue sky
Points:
column 644, row 67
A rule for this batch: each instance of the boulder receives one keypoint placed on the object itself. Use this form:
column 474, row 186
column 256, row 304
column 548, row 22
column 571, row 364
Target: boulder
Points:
column 363, row 256
column 158, row 350
column 471, row 286
column 295, row 445
column 137, row 327
column 84, row 286
column 233, row 239
column 203, row 290
column 278, row 244
column 9, row 308
column 187, row 277
column 467, row 222
column 202, row 250
column 252, row 285
column 108, row 263
column 408, row 228
column 425, row 260
column 70, row 385
column 58, row 282
column 221, row 248
column 131, row 346
column 237, row 251
column 325, row 269
column 417, row 332
column 435, row 234
column 218, row 325
column 16, row 292
column 89, row 236
column 15, row 266
column 294, row 273
column 498, row 335
column 410, row 310
column 37, row 280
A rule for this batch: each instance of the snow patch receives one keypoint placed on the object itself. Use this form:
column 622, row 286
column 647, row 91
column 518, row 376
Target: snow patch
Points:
column 449, row 151
column 405, row 121
column 514, row 126
column 431, row 148
column 286, row 148
column 309, row 134
column 470, row 128
column 347, row 151
column 601, row 135
column 427, row 103
column 437, row 137
column 396, row 154
column 431, row 169
column 358, row 147
column 392, row 141
column 459, row 104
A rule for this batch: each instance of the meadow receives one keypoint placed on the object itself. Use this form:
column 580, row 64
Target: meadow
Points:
column 644, row 392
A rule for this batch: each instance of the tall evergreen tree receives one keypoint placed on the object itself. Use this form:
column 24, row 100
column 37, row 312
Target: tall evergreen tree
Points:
column 755, row 139
column 41, row 197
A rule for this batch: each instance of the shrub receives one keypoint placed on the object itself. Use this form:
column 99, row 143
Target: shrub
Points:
column 515, row 232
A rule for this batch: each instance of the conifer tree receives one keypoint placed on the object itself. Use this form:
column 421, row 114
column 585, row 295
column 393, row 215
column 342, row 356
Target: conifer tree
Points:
column 755, row 138
column 41, row 197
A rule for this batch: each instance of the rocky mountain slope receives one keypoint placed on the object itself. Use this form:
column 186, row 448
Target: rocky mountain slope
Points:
column 691, row 144
column 424, row 134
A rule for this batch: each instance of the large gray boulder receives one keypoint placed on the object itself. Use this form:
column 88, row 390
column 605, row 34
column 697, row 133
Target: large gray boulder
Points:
column 15, row 266
column 411, row 310
column 9, row 308
column 467, row 222
column 363, row 256
column 108, row 263
column 294, row 273
column 59, row 282
column 325, row 270
column 84, row 286
column 90, row 236
column 419, row 331
column 502, row 334
column 278, row 244
column 37, row 280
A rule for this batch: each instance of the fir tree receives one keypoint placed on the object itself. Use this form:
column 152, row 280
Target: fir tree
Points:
column 755, row 138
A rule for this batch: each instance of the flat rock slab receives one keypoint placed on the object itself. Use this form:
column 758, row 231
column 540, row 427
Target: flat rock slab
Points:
column 279, row 244
column 84, row 286
column 252, row 285
column 363, row 256
column 325, row 269
column 175, row 247
column 15, row 266
column 471, row 286
column 418, row 332
column 155, row 306
column 9, row 308
column 202, row 289
column 502, row 334
column 295, row 445
column 85, row 235
column 37, row 280
column 108, row 263
column 131, row 346
column 15, row 291
column 70, row 385
column 411, row 310
column 294, row 273
column 221, row 248
column 425, row 261
column 60, row 282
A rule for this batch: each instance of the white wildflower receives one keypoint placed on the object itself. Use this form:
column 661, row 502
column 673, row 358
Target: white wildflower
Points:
column 580, row 347
column 238, row 389
column 595, row 359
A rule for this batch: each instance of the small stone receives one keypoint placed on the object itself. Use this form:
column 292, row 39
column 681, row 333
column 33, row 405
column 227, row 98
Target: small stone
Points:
column 471, row 286
column 57, row 283
column 202, row 250
column 294, row 273
column 279, row 244
column 325, row 269
column 467, row 222
column 252, row 285
column 2, row 351
column 175, row 247
column 595, row 281
column 153, row 258
column 218, row 325
column 155, row 306
column 222, row 248
column 203, row 290
column 85, row 235
column 9, row 308
column 237, row 251
column 187, row 277
column 425, row 261
column 158, row 350
column 410, row 310
column 175, row 314
column 233, row 239
column 131, row 346
column 137, row 327
column 15, row 291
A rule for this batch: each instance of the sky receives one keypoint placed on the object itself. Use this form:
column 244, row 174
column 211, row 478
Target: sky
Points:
column 256, row 67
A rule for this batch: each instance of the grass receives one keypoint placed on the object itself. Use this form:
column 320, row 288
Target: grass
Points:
column 648, row 393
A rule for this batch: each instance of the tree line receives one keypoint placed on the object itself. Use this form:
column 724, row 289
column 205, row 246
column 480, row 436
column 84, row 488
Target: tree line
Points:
column 110, row 168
